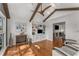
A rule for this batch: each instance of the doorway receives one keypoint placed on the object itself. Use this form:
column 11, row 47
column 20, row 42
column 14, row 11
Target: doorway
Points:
column 58, row 34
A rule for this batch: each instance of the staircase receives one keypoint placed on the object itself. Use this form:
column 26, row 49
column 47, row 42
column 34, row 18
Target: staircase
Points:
column 70, row 48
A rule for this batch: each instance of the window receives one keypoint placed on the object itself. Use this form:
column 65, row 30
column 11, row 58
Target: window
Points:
column 1, row 33
column 56, row 27
column 3, row 41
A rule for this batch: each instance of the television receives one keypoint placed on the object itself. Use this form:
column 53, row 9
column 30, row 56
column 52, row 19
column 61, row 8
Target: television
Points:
column 40, row 31
column 56, row 27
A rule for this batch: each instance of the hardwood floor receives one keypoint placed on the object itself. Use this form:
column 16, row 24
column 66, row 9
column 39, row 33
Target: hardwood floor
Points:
column 45, row 48
column 41, row 48
column 58, row 42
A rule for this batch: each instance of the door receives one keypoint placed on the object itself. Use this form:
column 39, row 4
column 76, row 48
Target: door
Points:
column 58, row 34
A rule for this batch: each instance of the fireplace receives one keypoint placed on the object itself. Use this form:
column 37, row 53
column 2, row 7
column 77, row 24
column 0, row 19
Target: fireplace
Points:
column 21, row 39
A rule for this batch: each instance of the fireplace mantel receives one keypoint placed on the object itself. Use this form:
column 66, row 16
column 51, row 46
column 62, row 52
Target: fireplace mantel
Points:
column 21, row 39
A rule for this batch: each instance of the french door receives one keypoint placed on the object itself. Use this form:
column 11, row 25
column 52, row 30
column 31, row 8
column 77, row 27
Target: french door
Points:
column 59, row 30
column 59, row 34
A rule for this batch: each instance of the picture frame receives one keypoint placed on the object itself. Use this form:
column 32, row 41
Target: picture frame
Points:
column 20, row 27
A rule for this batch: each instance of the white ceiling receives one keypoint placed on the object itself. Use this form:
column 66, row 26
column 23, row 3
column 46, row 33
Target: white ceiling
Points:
column 23, row 11
column 66, row 5
column 20, row 11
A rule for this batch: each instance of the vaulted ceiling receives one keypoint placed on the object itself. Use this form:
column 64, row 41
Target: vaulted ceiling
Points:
column 25, row 11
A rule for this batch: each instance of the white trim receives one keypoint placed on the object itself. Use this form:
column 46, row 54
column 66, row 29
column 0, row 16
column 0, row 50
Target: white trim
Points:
column 3, row 51
column 1, row 14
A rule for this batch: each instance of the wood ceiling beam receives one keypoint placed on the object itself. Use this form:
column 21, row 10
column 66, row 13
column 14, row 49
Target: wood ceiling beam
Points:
column 46, row 8
column 61, row 9
column 37, row 7
column 42, row 11
column 67, row 9
column 6, row 10
column 49, row 15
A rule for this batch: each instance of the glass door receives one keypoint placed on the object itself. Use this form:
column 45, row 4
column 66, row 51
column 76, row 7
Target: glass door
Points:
column 1, row 33
column 58, row 34
column 59, row 30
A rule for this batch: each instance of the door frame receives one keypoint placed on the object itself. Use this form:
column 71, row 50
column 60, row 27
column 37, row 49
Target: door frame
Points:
column 64, row 28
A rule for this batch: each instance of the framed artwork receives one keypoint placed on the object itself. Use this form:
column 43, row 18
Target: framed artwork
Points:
column 20, row 27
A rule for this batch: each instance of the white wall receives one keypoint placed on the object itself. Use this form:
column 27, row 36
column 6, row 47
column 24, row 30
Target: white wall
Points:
column 49, row 31
column 29, row 29
column 72, row 28
column 72, row 25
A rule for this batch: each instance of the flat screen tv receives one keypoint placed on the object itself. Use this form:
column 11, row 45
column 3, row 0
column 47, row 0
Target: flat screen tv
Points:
column 56, row 27
column 40, row 31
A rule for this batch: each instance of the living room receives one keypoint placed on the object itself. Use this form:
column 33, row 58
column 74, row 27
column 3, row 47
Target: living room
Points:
column 39, row 29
